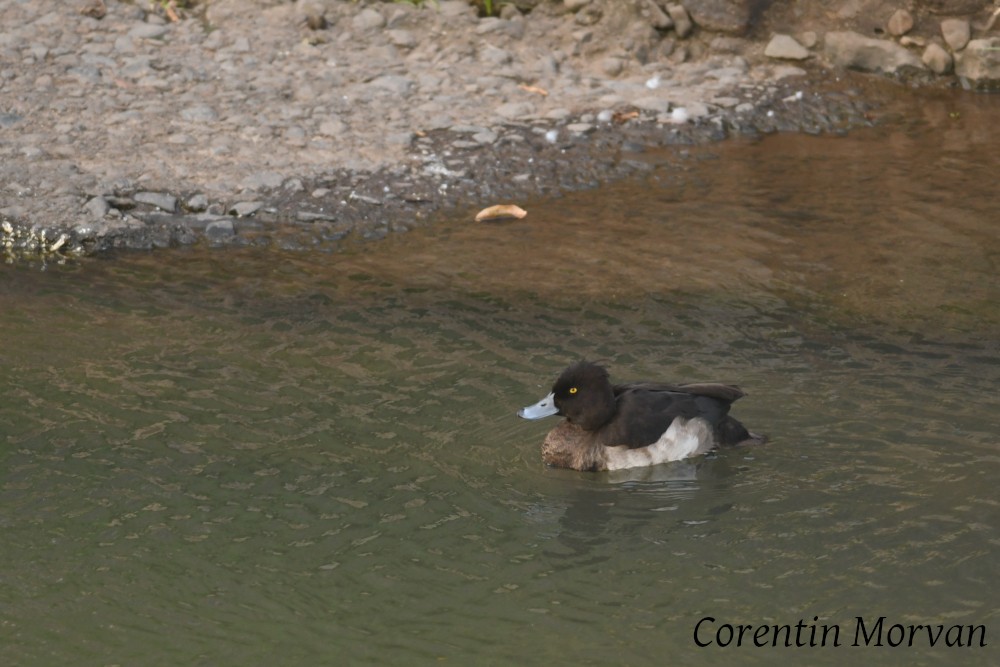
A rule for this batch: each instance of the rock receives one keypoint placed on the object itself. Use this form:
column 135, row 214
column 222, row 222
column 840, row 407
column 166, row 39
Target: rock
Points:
column 332, row 127
column 509, row 11
column 455, row 8
column 485, row 137
column 900, row 23
column 956, row 33
column 196, row 203
column 394, row 83
column 263, row 179
column 513, row 110
column 148, row 31
column 97, row 207
column 9, row 119
column 937, row 59
column 575, row 5
column 161, row 200
column 980, row 62
column 220, row 229
column 681, row 19
column 808, row 39
column 367, row 19
column 400, row 138
column 199, row 113
column 855, row 51
column 785, row 47
column 728, row 16
column 654, row 104
column 657, row 17
column 494, row 56
column 612, row 65
column 243, row 209
column 402, row 38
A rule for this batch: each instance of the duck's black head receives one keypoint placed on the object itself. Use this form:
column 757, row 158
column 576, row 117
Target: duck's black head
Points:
column 583, row 395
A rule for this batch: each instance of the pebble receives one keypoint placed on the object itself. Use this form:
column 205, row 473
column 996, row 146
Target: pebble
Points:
column 245, row 208
column 97, row 207
column 956, row 33
column 785, row 47
column 161, row 200
column 937, row 59
column 368, row 19
column 900, row 23
column 220, row 229
column 681, row 20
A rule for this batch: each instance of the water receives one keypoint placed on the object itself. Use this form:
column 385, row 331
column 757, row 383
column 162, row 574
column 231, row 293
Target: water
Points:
column 261, row 458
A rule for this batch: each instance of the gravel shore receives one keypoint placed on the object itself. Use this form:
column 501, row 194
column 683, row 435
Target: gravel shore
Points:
column 300, row 123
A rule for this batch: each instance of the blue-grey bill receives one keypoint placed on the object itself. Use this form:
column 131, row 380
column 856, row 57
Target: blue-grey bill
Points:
column 543, row 408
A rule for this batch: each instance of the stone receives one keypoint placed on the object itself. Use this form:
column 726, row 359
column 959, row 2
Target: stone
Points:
column 575, row 5
column 728, row 16
column 148, row 31
column 937, row 59
column 332, row 127
column 394, row 83
column 654, row 104
column 486, row 137
column 368, row 19
column 196, row 203
column 980, row 62
column 657, row 17
column 612, row 65
column 681, row 19
column 455, row 8
column 956, row 33
column 161, row 200
column 855, row 51
column 220, row 229
column 900, row 23
column 243, row 209
column 785, row 47
column 199, row 113
column 400, row 138
column 97, row 207
column 494, row 56
column 513, row 110
column 404, row 39
column 263, row 179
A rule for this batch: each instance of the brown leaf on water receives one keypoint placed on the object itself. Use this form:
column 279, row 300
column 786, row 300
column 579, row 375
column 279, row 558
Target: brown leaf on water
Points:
column 501, row 212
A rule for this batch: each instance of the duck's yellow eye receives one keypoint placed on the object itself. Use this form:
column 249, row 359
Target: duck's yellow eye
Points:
column 572, row 390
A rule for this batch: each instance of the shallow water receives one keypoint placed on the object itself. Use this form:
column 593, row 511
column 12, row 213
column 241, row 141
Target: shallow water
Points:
column 260, row 458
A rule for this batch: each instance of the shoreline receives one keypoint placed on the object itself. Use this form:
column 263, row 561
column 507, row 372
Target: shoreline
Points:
column 233, row 128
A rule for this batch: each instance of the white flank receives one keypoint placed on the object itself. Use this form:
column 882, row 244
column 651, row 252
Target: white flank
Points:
column 684, row 438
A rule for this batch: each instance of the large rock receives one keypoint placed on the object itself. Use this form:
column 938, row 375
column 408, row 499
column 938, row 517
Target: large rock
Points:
column 728, row 16
column 980, row 62
column 937, row 59
column 956, row 33
column 785, row 46
column 900, row 23
column 855, row 51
